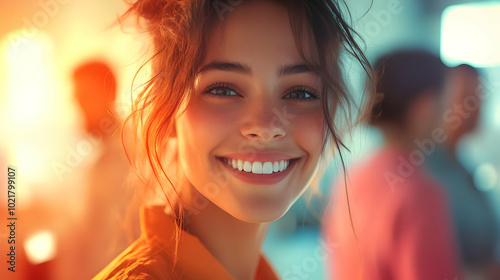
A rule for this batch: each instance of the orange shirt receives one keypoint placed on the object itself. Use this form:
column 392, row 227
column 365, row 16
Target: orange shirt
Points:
column 152, row 255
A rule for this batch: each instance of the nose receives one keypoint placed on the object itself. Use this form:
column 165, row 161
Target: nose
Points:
column 262, row 123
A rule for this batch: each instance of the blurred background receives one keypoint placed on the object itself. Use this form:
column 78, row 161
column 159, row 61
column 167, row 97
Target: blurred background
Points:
column 47, row 137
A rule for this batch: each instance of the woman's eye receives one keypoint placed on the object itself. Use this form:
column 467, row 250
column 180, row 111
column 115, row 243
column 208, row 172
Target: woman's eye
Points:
column 220, row 90
column 303, row 95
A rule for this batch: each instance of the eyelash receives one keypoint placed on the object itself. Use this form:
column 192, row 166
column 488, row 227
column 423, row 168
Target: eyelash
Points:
column 306, row 90
column 220, row 86
column 228, row 87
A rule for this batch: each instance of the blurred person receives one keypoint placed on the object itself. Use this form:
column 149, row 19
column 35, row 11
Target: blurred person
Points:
column 215, row 107
column 110, row 215
column 389, row 219
column 473, row 216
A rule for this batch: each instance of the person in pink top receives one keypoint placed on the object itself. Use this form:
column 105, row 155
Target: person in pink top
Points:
column 388, row 218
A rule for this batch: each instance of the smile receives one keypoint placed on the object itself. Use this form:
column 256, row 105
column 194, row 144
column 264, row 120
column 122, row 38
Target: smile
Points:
column 257, row 167
column 269, row 171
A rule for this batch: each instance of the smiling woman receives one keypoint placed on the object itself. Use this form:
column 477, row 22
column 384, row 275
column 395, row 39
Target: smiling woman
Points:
column 249, row 80
column 245, row 108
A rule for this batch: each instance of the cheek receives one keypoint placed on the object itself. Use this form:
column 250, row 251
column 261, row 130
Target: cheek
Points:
column 203, row 120
column 200, row 130
column 309, row 130
column 204, row 124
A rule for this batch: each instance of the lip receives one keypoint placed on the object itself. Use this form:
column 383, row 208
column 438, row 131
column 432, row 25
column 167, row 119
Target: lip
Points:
column 260, row 179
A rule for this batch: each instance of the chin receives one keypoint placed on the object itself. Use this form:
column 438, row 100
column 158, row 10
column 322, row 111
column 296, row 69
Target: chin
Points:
column 259, row 218
column 262, row 212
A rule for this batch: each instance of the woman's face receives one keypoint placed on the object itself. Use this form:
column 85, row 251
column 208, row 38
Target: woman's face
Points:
column 251, row 136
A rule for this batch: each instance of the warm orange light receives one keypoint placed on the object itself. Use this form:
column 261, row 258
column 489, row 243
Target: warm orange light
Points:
column 40, row 247
column 29, row 78
column 30, row 102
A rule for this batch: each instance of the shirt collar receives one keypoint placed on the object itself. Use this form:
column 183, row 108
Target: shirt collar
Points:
column 193, row 259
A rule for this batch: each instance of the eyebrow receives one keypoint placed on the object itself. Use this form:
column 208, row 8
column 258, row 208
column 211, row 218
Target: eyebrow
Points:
column 283, row 70
column 293, row 69
column 226, row 66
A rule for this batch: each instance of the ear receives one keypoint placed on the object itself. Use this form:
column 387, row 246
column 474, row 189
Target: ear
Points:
column 170, row 158
column 172, row 131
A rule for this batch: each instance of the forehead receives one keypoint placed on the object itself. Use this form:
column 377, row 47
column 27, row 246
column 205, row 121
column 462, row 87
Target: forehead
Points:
column 258, row 31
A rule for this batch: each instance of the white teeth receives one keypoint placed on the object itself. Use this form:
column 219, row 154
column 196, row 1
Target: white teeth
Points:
column 267, row 168
column 247, row 166
column 258, row 167
column 276, row 166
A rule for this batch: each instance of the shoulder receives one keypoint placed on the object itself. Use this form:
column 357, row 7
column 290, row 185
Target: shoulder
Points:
column 421, row 205
column 140, row 261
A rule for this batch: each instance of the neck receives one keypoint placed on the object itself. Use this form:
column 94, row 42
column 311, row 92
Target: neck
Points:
column 234, row 243
column 396, row 137
column 451, row 143
column 103, row 126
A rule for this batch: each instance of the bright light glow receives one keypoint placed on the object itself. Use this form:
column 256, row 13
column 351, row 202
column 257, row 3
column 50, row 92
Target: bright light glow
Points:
column 486, row 177
column 41, row 247
column 32, row 110
column 496, row 118
column 30, row 81
column 469, row 34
